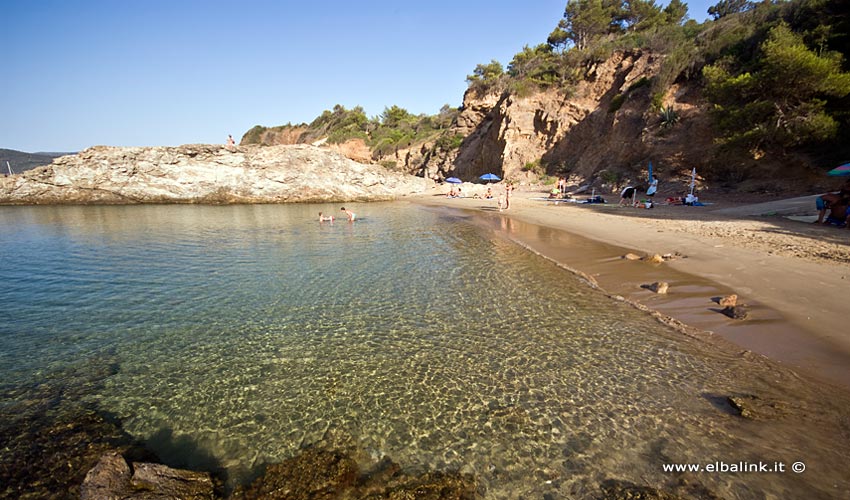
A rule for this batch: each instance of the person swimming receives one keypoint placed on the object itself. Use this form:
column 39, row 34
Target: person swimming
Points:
column 349, row 213
column 323, row 218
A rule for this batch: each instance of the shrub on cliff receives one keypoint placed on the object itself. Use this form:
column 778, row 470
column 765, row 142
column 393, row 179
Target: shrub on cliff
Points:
column 779, row 99
column 485, row 76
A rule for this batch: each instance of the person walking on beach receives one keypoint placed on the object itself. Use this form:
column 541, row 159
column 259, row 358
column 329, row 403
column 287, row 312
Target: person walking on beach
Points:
column 349, row 213
column 508, row 190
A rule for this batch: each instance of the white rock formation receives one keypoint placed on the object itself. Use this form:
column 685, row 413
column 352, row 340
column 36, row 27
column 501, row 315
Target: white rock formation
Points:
column 199, row 173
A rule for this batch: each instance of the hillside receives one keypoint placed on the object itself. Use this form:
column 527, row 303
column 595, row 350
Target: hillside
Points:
column 20, row 161
column 756, row 100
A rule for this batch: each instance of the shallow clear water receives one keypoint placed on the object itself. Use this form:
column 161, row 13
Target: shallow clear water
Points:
column 242, row 333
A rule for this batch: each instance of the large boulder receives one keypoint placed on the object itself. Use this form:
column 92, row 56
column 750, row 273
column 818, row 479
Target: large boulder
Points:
column 206, row 174
column 112, row 477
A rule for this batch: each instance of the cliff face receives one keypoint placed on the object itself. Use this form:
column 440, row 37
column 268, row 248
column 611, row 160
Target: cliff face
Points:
column 605, row 123
column 205, row 174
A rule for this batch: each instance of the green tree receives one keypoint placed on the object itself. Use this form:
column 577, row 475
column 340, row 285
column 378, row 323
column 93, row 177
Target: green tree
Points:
column 726, row 7
column 559, row 39
column 394, row 116
column 585, row 20
column 640, row 15
column 445, row 117
column 676, row 12
column 486, row 73
column 783, row 101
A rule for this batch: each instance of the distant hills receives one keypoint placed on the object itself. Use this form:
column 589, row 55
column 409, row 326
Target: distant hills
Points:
column 21, row 161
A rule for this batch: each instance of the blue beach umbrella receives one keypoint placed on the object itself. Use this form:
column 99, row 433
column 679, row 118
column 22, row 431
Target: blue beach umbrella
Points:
column 490, row 177
column 650, row 171
column 454, row 180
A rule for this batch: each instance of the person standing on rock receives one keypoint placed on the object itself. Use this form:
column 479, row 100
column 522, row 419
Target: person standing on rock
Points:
column 230, row 142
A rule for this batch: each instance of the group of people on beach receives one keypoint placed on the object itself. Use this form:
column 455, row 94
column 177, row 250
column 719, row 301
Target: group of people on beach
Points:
column 504, row 201
column 628, row 195
column 838, row 205
column 330, row 218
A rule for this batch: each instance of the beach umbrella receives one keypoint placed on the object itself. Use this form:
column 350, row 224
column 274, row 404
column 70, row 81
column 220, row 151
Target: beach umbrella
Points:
column 840, row 170
column 693, row 180
column 650, row 170
column 454, row 180
column 490, row 177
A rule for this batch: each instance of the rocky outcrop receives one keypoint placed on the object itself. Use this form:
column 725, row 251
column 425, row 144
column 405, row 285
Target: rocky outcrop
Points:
column 506, row 132
column 322, row 474
column 206, row 174
column 605, row 122
column 112, row 477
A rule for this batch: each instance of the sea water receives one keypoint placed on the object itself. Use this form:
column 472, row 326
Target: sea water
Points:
column 240, row 334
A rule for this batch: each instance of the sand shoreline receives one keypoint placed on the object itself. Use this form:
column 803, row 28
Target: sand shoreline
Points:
column 791, row 274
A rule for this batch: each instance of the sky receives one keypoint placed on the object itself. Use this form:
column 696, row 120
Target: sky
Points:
column 76, row 74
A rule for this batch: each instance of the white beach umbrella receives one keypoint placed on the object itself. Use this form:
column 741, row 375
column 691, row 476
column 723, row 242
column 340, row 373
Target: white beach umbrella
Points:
column 693, row 179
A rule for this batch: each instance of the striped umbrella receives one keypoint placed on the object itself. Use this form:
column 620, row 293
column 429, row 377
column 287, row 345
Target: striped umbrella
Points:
column 840, row 170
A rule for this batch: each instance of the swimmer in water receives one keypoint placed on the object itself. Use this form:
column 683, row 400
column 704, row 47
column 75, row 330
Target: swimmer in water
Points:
column 323, row 218
column 349, row 213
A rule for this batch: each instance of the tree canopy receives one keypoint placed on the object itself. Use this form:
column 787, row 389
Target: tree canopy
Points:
column 782, row 100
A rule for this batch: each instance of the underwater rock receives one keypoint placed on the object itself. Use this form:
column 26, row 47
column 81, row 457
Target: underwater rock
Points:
column 657, row 287
column 318, row 473
column 49, row 439
column 111, row 475
column 313, row 473
column 738, row 312
column 112, row 478
column 755, row 408
column 624, row 490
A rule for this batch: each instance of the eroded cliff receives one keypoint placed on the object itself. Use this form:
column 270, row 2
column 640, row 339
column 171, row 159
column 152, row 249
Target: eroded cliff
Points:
column 606, row 123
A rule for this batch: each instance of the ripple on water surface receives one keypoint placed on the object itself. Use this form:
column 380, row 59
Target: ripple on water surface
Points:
column 251, row 331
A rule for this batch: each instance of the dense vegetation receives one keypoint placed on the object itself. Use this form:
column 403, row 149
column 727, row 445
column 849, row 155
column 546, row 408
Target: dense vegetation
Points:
column 394, row 129
column 774, row 72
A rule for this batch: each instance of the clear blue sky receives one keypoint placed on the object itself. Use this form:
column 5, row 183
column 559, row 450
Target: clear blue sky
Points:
column 125, row 73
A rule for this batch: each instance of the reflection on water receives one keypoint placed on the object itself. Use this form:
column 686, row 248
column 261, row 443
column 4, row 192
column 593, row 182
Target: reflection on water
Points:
column 250, row 331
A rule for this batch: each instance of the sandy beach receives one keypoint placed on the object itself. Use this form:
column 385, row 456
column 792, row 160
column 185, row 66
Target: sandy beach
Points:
column 792, row 275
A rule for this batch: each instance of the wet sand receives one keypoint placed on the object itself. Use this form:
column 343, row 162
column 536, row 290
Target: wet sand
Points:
column 792, row 276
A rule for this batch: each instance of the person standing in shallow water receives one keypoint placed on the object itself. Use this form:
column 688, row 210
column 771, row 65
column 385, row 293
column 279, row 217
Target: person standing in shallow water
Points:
column 349, row 213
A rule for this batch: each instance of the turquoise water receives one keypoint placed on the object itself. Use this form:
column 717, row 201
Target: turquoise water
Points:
column 247, row 332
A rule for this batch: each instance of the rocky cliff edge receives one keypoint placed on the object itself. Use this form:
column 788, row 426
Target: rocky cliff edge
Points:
column 201, row 173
